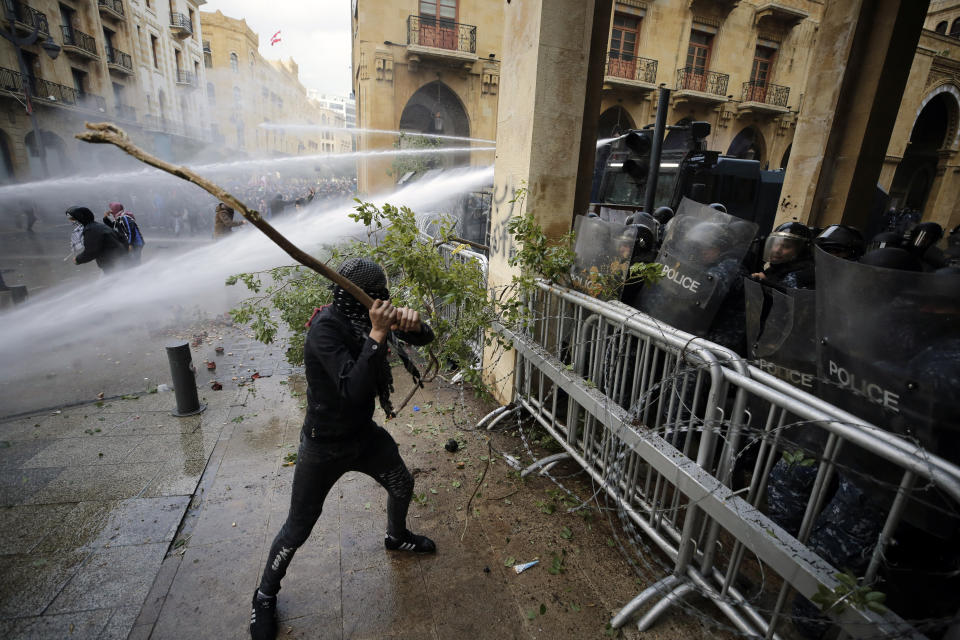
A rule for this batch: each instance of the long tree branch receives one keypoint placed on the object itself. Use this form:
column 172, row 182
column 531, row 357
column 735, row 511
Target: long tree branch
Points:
column 106, row 133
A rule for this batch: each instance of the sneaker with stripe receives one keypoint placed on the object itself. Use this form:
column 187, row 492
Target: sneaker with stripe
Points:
column 263, row 617
column 409, row 542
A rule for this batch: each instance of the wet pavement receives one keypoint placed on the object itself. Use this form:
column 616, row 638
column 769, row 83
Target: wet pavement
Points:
column 119, row 520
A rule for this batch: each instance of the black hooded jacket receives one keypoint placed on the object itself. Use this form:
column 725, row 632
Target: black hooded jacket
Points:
column 100, row 242
column 342, row 377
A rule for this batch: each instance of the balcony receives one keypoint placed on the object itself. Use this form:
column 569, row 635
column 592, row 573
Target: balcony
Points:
column 186, row 78
column 126, row 112
column 26, row 18
column 78, row 44
column 700, row 85
column 630, row 72
column 764, row 98
column 180, row 25
column 14, row 82
column 119, row 62
column 112, row 9
column 441, row 40
column 773, row 15
column 206, row 47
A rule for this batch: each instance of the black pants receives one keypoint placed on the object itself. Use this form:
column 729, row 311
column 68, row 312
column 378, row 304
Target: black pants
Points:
column 318, row 468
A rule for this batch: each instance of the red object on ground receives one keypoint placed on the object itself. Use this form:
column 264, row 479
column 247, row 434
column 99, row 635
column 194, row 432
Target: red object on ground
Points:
column 216, row 386
column 211, row 365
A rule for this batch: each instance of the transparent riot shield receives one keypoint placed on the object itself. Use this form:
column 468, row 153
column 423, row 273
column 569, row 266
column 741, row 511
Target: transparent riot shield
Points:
column 781, row 332
column 603, row 250
column 701, row 255
column 889, row 352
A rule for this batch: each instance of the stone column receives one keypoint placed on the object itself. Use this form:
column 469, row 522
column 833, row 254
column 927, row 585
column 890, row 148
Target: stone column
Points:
column 544, row 104
column 862, row 59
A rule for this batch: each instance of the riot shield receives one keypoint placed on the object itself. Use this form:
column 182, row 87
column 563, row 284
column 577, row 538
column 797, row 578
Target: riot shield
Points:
column 603, row 250
column 781, row 332
column 890, row 354
column 701, row 254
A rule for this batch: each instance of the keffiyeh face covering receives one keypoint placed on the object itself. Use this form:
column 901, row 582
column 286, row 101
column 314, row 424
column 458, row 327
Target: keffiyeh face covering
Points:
column 368, row 275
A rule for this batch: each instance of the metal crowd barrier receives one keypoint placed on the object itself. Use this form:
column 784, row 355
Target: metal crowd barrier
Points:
column 660, row 419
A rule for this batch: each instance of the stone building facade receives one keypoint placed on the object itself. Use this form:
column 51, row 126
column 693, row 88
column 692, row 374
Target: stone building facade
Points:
column 741, row 65
column 259, row 106
column 424, row 66
column 133, row 62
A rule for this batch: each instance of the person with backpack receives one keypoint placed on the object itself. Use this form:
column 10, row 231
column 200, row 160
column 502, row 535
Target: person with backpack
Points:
column 123, row 222
column 99, row 242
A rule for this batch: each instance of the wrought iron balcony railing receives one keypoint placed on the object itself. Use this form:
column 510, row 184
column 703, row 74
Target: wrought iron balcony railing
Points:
column 74, row 38
column 766, row 93
column 182, row 22
column 116, row 6
column 27, row 15
column 126, row 112
column 631, row 67
column 119, row 58
column 185, row 77
column 40, row 89
column 427, row 31
column 694, row 79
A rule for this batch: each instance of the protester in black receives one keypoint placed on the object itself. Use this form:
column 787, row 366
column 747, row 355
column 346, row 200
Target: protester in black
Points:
column 345, row 357
column 100, row 242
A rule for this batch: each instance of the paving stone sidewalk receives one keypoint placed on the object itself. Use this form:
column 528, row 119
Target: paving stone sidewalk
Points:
column 122, row 521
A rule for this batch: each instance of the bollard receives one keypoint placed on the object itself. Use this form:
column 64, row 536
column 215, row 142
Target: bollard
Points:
column 184, row 380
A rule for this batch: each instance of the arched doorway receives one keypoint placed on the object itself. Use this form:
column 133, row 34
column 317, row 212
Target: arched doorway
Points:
column 55, row 150
column 436, row 109
column 748, row 145
column 934, row 129
column 6, row 159
column 614, row 122
column 786, row 156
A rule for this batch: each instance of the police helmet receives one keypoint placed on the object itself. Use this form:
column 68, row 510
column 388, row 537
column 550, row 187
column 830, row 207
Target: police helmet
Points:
column 841, row 240
column 892, row 258
column 788, row 242
column 663, row 214
column 923, row 236
column 885, row 239
column 718, row 206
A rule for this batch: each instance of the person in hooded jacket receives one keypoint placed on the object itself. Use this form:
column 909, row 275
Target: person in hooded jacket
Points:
column 100, row 242
column 345, row 357
column 123, row 222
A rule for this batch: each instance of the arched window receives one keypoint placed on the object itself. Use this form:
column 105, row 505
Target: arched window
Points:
column 211, row 93
column 236, row 96
column 234, row 62
column 252, row 58
column 955, row 28
column 942, row 27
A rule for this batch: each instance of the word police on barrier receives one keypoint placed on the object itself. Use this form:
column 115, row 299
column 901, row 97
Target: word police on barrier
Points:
column 870, row 390
column 674, row 275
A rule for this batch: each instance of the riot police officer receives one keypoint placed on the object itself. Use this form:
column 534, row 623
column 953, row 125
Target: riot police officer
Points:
column 841, row 240
column 787, row 257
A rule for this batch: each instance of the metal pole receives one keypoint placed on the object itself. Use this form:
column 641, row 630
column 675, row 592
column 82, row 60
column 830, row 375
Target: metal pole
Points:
column 184, row 378
column 659, row 127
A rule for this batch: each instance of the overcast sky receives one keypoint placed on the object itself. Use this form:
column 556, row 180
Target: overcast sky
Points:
column 315, row 33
